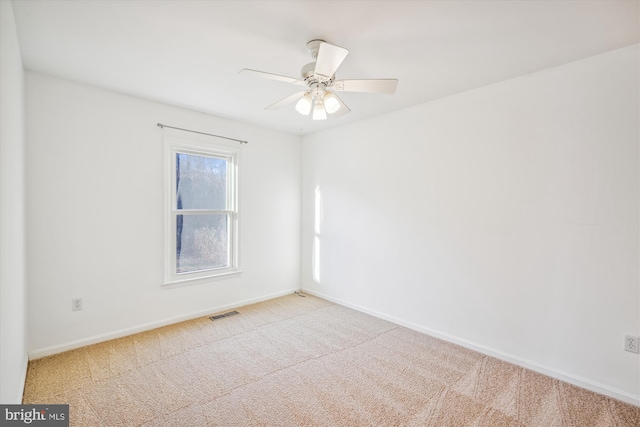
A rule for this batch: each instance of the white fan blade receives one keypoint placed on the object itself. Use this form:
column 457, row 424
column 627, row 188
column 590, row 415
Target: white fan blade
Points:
column 270, row 76
column 288, row 100
column 367, row 86
column 329, row 59
column 343, row 108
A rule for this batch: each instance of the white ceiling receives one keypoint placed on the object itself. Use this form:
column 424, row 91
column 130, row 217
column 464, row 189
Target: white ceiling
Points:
column 188, row 53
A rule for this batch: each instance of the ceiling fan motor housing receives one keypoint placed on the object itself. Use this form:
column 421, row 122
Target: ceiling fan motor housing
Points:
column 307, row 70
column 310, row 77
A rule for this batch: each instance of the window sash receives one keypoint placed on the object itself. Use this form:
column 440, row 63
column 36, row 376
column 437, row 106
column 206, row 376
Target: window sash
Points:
column 231, row 177
column 200, row 241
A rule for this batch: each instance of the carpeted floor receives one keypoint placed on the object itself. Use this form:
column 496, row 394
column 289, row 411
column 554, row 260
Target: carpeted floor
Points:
column 296, row 361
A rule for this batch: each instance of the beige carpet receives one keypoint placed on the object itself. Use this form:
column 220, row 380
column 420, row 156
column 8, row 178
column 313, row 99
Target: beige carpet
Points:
column 296, row 361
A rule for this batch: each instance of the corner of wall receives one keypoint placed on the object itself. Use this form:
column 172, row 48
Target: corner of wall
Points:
column 13, row 330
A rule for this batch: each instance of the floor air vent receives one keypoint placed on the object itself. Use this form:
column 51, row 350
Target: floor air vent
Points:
column 220, row 316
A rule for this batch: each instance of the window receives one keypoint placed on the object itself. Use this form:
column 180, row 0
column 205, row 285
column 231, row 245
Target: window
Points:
column 201, row 236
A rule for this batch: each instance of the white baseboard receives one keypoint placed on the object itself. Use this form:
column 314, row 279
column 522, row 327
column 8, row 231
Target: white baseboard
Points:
column 55, row 349
column 528, row 364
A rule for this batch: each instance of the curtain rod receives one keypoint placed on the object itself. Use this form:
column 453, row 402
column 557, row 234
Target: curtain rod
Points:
column 161, row 126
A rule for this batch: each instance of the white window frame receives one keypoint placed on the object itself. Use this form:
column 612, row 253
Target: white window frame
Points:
column 209, row 148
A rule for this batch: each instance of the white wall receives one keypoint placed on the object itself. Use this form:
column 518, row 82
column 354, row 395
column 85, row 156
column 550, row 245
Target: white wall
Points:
column 13, row 328
column 95, row 215
column 504, row 218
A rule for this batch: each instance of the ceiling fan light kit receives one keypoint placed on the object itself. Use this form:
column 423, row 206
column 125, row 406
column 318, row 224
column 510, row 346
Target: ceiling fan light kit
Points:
column 319, row 77
column 331, row 103
column 303, row 106
column 319, row 112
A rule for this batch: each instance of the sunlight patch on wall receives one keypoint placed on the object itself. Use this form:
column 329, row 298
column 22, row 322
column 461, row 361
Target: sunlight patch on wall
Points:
column 317, row 221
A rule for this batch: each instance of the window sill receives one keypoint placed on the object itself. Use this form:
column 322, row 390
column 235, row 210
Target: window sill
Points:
column 169, row 284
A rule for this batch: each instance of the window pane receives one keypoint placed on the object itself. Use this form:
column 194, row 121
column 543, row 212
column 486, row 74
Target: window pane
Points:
column 201, row 182
column 201, row 242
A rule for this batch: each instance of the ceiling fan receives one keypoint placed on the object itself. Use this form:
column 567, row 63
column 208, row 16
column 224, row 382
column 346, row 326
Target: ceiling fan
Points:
column 319, row 77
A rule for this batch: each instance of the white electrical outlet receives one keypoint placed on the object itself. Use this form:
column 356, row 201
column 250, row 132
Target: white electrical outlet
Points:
column 631, row 343
column 76, row 304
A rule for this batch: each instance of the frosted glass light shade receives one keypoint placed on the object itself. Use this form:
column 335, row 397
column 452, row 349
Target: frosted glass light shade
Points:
column 304, row 105
column 319, row 113
column 331, row 103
